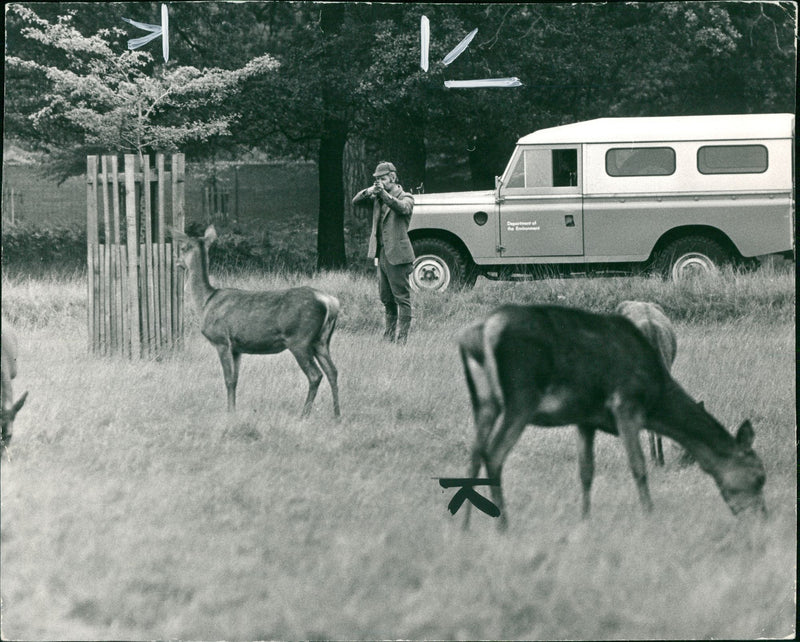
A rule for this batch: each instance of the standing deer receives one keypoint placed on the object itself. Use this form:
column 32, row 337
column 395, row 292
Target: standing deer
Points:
column 238, row 322
column 554, row 366
column 8, row 371
column 657, row 328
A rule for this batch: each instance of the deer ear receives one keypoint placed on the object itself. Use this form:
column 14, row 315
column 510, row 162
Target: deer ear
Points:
column 745, row 435
column 210, row 235
column 18, row 405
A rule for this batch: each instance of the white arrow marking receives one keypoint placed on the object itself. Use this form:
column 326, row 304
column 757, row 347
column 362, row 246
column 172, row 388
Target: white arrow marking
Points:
column 459, row 48
column 157, row 30
column 483, row 82
column 425, row 37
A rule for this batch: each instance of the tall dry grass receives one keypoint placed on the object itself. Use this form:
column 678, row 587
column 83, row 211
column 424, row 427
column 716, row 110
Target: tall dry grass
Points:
column 135, row 507
column 764, row 296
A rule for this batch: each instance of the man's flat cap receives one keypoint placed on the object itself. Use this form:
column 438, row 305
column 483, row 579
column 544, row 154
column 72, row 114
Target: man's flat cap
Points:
column 383, row 168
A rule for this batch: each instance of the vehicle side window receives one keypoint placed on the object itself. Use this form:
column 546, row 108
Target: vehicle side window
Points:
column 640, row 161
column 565, row 167
column 537, row 168
column 732, row 159
column 517, row 178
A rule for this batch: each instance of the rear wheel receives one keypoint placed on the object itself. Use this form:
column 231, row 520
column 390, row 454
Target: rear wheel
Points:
column 439, row 266
column 691, row 256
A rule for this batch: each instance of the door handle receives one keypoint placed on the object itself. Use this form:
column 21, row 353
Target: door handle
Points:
column 569, row 220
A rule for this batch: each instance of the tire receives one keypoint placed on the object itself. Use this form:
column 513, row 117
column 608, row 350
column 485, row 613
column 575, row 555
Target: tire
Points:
column 439, row 266
column 691, row 256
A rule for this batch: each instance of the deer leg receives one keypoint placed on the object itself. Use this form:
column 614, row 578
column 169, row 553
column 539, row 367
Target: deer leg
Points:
column 305, row 360
column 230, row 371
column 506, row 436
column 485, row 417
column 586, row 464
column 629, row 423
column 322, row 352
column 237, row 360
column 485, row 411
column 472, row 473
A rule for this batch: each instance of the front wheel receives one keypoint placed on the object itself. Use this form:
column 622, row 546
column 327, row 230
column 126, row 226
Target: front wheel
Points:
column 691, row 256
column 439, row 266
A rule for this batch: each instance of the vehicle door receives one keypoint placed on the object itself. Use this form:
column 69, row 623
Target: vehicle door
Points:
column 541, row 202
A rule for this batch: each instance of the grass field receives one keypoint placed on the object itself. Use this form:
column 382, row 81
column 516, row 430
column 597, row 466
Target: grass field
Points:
column 135, row 507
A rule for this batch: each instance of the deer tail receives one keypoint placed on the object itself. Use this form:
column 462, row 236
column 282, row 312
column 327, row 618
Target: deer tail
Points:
column 331, row 304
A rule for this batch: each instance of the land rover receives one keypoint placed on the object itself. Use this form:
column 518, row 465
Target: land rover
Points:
column 677, row 195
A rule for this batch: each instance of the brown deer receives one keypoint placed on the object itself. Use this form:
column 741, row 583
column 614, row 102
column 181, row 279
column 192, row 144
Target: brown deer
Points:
column 657, row 328
column 554, row 366
column 8, row 371
column 238, row 322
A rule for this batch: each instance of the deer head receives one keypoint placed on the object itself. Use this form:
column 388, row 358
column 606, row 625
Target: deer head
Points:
column 190, row 247
column 741, row 482
column 7, row 416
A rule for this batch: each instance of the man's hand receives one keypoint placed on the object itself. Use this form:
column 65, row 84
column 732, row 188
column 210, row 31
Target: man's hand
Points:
column 380, row 192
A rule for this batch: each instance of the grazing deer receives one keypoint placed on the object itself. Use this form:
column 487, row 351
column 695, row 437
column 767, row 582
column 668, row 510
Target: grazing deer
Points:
column 8, row 371
column 238, row 322
column 657, row 328
column 554, row 366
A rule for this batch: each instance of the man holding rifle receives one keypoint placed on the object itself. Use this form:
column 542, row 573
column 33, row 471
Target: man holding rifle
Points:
column 390, row 245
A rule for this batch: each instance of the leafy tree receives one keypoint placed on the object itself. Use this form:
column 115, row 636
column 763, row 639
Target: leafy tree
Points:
column 95, row 98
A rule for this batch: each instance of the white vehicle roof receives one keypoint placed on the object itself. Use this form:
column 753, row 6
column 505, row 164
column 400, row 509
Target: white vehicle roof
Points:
column 666, row 129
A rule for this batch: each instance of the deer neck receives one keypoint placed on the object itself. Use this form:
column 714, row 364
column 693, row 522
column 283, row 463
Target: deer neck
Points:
column 200, row 288
column 681, row 419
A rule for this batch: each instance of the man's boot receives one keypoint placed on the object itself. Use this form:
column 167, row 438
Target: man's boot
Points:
column 405, row 326
column 391, row 326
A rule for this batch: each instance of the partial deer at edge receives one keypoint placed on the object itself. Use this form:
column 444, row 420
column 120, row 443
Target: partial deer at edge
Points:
column 238, row 322
column 655, row 325
column 553, row 366
column 8, row 371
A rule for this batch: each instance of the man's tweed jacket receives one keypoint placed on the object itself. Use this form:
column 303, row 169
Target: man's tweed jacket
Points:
column 394, row 215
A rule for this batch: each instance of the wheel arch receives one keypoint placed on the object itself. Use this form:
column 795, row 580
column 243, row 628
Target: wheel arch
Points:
column 715, row 234
column 443, row 235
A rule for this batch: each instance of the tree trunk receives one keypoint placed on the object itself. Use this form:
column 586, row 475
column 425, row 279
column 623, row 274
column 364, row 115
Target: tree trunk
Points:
column 357, row 221
column 356, row 173
column 330, row 228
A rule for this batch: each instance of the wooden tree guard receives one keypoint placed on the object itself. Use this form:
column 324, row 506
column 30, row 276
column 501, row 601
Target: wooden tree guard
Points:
column 135, row 291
